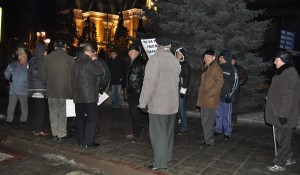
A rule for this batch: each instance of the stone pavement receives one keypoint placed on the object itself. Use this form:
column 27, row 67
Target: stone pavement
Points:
column 249, row 151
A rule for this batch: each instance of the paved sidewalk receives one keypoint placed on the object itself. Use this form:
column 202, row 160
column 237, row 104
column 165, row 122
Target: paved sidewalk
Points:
column 249, row 151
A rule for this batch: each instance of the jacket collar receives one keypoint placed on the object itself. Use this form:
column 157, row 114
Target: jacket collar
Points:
column 283, row 68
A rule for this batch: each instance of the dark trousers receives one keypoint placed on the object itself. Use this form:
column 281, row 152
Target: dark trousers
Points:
column 235, row 106
column 85, row 122
column 284, row 141
column 135, row 113
column 39, row 113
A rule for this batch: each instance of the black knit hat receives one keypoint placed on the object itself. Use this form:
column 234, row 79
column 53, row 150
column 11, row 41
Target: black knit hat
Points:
column 209, row 52
column 60, row 44
column 134, row 47
column 227, row 55
column 285, row 57
column 163, row 41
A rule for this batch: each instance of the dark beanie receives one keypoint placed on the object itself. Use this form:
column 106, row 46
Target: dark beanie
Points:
column 133, row 47
column 285, row 57
column 60, row 44
column 209, row 52
column 227, row 55
column 163, row 41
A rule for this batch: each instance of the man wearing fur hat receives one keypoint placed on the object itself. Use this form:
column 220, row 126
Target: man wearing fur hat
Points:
column 209, row 95
column 134, row 84
column 229, row 89
column 159, row 97
column 283, row 109
column 16, row 73
column 55, row 70
column 184, row 76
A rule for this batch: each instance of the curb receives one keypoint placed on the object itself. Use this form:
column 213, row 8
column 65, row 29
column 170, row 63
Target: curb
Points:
column 107, row 167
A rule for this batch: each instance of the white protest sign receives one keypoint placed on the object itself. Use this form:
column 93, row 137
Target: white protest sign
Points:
column 150, row 46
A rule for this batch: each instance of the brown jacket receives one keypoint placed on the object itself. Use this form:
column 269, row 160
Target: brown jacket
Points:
column 284, row 98
column 210, row 86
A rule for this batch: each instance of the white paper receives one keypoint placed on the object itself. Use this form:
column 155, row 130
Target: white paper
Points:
column 70, row 106
column 102, row 98
column 150, row 46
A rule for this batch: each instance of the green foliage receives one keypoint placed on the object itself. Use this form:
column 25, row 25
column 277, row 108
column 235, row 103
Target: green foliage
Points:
column 121, row 37
column 204, row 24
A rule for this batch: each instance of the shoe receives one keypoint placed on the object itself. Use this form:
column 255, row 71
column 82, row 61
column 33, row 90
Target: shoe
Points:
column 170, row 163
column 290, row 162
column 64, row 137
column 217, row 134
column 275, row 168
column 7, row 123
column 42, row 133
column 135, row 140
column 151, row 167
column 23, row 123
column 205, row 145
column 94, row 145
column 54, row 138
column 182, row 133
column 130, row 136
column 226, row 137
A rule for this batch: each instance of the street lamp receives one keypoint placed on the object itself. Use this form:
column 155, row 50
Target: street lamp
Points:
column 46, row 41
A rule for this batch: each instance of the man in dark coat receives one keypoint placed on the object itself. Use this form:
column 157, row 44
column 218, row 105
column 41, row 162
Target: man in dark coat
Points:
column 230, row 87
column 55, row 70
column 134, row 84
column 85, row 95
column 37, row 90
column 117, row 69
column 283, row 108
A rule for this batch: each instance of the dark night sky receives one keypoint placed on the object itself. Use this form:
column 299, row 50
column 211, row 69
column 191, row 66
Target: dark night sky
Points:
column 22, row 16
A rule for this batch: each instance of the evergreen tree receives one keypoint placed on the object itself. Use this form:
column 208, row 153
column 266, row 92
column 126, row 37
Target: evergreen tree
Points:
column 121, row 37
column 89, row 33
column 204, row 24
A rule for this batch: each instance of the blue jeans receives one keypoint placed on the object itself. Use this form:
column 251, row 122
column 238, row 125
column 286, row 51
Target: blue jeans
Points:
column 116, row 98
column 223, row 118
column 182, row 112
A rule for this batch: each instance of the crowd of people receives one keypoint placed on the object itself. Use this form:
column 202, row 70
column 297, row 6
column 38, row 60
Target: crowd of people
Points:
column 156, row 88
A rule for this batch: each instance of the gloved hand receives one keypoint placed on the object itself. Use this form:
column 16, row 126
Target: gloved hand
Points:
column 182, row 92
column 100, row 91
column 144, row 110
column 227, row 99
column 282, row 120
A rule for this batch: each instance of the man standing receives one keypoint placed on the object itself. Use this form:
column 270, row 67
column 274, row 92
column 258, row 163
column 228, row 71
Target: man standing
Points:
column 134, row 83
column 243, row 78
column 55, row 70
column 85, row 95
column 160, row 95
column 184, row 76
column 230, row 87
column 16, row 73
column 117, row 70
column 283, row 109
column 209, row 95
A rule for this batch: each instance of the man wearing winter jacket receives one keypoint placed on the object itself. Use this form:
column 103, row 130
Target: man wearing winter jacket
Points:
column 16, row 73
column 55, row 70
column 37, row 90
column 283, row 109
column 85, row 95
column 230, row 87
column 184, row 79
column 160, row 95
column 134, row 83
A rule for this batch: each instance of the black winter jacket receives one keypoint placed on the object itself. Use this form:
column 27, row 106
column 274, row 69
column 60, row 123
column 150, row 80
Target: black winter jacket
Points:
column 85, row 79
column 231, row 82
column 184, row 74
column 117, row 70
column 135, row 75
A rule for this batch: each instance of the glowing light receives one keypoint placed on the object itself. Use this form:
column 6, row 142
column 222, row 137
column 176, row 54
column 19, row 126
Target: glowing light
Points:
column 0, row 22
